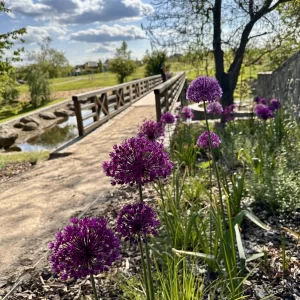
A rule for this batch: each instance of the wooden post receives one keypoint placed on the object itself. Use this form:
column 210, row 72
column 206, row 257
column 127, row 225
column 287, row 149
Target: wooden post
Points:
column 95, row 109
column 157, row 104
column 78, row 116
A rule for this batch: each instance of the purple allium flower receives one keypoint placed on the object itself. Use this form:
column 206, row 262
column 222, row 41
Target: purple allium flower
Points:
column 228, row 113
column 139, row 161
column 137, row 221
column 263, row 112
column 203, row 141
column 188, row 112
column 256, row 99
column 274, row 105
column 151, row 130
column 214, row 108
column 167, row 118
column 204, row 88
column 84, row 247
column 263, row 101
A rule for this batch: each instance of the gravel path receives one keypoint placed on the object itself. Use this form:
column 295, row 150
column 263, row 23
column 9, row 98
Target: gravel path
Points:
column 37, row 203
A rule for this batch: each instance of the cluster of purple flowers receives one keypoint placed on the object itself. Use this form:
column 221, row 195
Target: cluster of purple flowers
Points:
column 187, row 112
column 151, row 130
column 83, row 248
column 205, row 89
column 228, row 113
column 137, row 161
column 137, row 221
column 264, row 111
column 167, row 118
column 215, row 108
column 203, row 140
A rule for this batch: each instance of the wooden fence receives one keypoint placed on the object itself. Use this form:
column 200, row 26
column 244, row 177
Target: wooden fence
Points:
column 169, row 93
column 97, row 107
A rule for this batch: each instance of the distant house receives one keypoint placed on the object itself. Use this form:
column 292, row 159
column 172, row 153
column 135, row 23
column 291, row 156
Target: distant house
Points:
column 91, row 65
column 106, row 65
column 79, row 69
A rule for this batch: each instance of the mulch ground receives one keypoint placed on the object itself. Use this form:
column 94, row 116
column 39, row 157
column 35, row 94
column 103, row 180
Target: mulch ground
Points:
column 14, row 169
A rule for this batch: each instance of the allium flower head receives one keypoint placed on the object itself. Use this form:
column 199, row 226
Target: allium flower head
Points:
column 151, row 130
column 274, row 105
column 256, row 99
column 214, row 108
column 263, row 101
column 228, row 113
column 188, row 112
column 263, row 112
column 139, row 161
column 203, row 141
column 84, row 247
column 137, row 221
column 204, row 88
column 167, row 118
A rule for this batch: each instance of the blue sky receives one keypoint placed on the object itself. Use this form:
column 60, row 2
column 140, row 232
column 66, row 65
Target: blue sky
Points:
column 83, row 29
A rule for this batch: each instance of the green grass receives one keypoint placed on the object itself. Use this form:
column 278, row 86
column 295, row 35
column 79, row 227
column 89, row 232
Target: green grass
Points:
column 86, row 81
column 33, row 157
column 7, row 113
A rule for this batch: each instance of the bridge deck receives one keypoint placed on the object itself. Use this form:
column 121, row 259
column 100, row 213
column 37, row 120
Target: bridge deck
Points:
column 38, row 203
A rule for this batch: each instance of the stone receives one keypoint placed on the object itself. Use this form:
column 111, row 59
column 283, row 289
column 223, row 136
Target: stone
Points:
column 29, row 120
column 19, row 125
column 7, row 138
column 47, row 115
column 30, row 126
column 61, row 113
column 14, row 149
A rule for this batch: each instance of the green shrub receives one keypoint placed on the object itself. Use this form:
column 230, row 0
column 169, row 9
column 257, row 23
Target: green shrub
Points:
column 10, row 94
column 154, row 62
column 39, row 86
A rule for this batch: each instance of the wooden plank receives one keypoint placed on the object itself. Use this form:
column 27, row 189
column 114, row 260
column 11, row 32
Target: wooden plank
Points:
column 91, row 115
column 109, row 89
column 88, row 106
column 77, row 110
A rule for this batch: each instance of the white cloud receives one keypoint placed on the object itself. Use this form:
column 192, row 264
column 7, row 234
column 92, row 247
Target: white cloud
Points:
column 104, row 34
column 28, row 8
column 104, row 48
column 81, row 11
column 37, row 34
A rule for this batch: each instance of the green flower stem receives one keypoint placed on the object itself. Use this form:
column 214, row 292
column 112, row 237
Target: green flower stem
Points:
column 149, row 270
column 94, row 287
column 144, row 269
column 215, row 167
column 141, row 193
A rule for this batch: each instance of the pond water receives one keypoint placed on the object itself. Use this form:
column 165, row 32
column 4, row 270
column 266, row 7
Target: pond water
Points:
column 57, row 136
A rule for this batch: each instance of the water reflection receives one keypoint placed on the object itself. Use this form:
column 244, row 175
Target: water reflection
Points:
column 57, row 136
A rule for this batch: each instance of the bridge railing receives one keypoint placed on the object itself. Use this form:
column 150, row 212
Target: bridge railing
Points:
column 94, row 108
column 168, row 93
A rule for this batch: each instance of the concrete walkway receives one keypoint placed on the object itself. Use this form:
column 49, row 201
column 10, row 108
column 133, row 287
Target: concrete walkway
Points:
column 38, row 203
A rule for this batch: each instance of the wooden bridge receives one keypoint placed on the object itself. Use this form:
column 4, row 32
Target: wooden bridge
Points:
column 94, row 108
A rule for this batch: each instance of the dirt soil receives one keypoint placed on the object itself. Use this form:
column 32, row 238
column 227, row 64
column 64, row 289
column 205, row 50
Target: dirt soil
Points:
column 39, row 202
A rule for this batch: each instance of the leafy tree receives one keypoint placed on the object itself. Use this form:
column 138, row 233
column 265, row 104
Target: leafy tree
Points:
column 50, row 60
column 122, row 65
column 154, row 62
column 226, row 27
column 6, row 44
column 39, row 86
column 100, row 66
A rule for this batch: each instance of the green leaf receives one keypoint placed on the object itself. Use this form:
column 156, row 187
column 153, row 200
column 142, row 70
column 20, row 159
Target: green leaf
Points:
column 239, row 243
column 255, row 220
column 198, row 254
column 254, row 256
